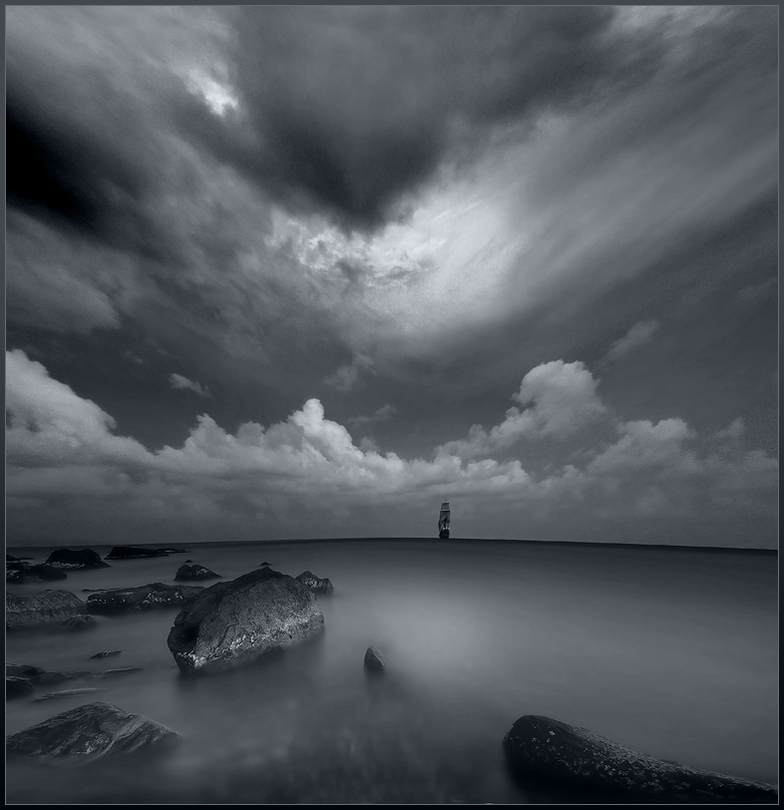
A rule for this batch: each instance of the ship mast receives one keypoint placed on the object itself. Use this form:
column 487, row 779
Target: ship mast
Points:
column 444, row 519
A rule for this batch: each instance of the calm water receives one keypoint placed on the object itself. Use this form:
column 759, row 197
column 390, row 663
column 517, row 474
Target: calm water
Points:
column 669, row 652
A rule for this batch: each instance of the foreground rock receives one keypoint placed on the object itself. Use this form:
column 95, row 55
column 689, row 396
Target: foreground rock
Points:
column 194, row 572
column 316, row 584
column 77, row 560
column 88, row 733
column 16, row 686
column 134, row 552
column 46, row 609
column 144, row 597
column 542, row 747
column 233, row 623
column 373, row 661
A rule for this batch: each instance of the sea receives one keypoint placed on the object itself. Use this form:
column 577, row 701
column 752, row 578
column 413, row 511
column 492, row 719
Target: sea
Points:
column 672, row 652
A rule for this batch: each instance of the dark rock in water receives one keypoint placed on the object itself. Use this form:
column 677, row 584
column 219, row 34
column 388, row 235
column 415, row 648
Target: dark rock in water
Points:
column 186, row 572
column 373, row 660
column 87, row 733
column 23, row 671
column 15, row 576
column 82, row 558
column 236, row 622
column 10, row 558
column 79, row 623
column 18, row 572
column 316, row 584
column 53, row 678
column 113, row 673
column 265, row 563
column 144, row 597
column 16, row 686
column 134, row 552
column 544, row 748
column 106, row 654
column 66, row 693
column 46, row 609
column 175, row 550
column 46, row 572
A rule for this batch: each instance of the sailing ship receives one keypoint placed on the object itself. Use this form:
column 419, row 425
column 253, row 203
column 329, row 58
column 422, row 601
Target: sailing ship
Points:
column 443, row 521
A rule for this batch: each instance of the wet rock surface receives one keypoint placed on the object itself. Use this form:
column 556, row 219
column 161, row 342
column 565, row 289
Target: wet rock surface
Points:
column 544, row 748
column 314, row 583
column 143, row 597
column 373, row 660
column 194, row 572
column 236, row 622
column 47, row 609
column 88, row 733
column 75, row 559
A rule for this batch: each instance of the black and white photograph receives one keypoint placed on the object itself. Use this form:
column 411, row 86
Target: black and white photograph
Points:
column 392, row 404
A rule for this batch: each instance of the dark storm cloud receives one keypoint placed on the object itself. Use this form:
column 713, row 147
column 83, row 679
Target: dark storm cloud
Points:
column 347, row 108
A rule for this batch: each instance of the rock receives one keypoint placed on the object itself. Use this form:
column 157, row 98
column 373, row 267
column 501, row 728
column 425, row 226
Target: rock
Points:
column 113, row 673
column 144, row 597
column 9, row 558
column 541, row 747
column 236, row 622
column 87, row 733
column 15, row 576
column 265, row 563
column 24, row 572
column 185, row 572
column 46, row 572
column 46, row 609
column 16, row 686
column 68, row 558
column 40, row 677
column 134, row 552
column 373, row 660
column 106, row 654
column 79, row 623
column 23, row 671
column 316, row 584
column 87, row 690
column 175, row 550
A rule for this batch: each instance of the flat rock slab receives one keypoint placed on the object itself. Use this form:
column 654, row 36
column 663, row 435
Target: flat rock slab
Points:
column 75, row 559
column 144, row 597
column 66, row 693
column 316, row 584
column 46, row 609
column 233, row 623
column 194, row 572
column 88, row 733
column 134, row 552
column 106, row 654
column 543, row 747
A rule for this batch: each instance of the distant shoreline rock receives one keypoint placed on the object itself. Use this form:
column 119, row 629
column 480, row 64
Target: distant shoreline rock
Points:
column 542, row 747
column 236, row 622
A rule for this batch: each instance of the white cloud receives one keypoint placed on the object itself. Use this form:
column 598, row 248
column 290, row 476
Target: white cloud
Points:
column 640, row 334
column 177, row 381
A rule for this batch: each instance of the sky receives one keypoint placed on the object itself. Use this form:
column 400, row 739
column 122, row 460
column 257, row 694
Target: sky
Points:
column 279, row 272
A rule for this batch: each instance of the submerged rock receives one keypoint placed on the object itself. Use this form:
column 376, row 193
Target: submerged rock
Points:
column 71, row 559
column 23, row 671
column 66, row 693
column 106, row 654
column 113, row 673
column 541, row 747
column 79, row 623
column 174, row 550
column 316, row 584
column 373, row 660
column 87, row 733
column 46, row 609
column 186, row 572
column 16, row 686
column 134, row 552
column 18, row 572
column 236, row 622
column 143, row 597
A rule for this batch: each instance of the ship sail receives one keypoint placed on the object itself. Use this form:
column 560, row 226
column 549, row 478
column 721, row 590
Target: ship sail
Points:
column 443, row 521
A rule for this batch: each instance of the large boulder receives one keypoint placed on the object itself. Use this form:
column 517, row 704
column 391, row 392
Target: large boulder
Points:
column 544, row 748
column 143, row 597
column 316, row 584
column 134, row 552
column 236, row 622
column 46, row 609
column 71, row 559
column 87, row 733
column 194, row 572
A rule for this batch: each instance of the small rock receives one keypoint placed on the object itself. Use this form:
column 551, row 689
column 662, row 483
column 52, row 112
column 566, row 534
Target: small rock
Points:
column 75, row 559
column 373, row 660
column 16, row 687
column 23, row 671
column 134, row 552
column 316, row 584
column 79, row 623
column 65, row 693
column 113, row 673
column 190, row 572
column 87, row 733
column 265, row 563
column 106, row 654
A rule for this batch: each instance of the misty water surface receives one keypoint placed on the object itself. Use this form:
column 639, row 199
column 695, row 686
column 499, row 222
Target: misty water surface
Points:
column 672, row 652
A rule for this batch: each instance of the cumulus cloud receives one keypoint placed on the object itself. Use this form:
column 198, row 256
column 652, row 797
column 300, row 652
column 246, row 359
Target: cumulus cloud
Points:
column 641, row 333
column 177, row 381
column 67, row 466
